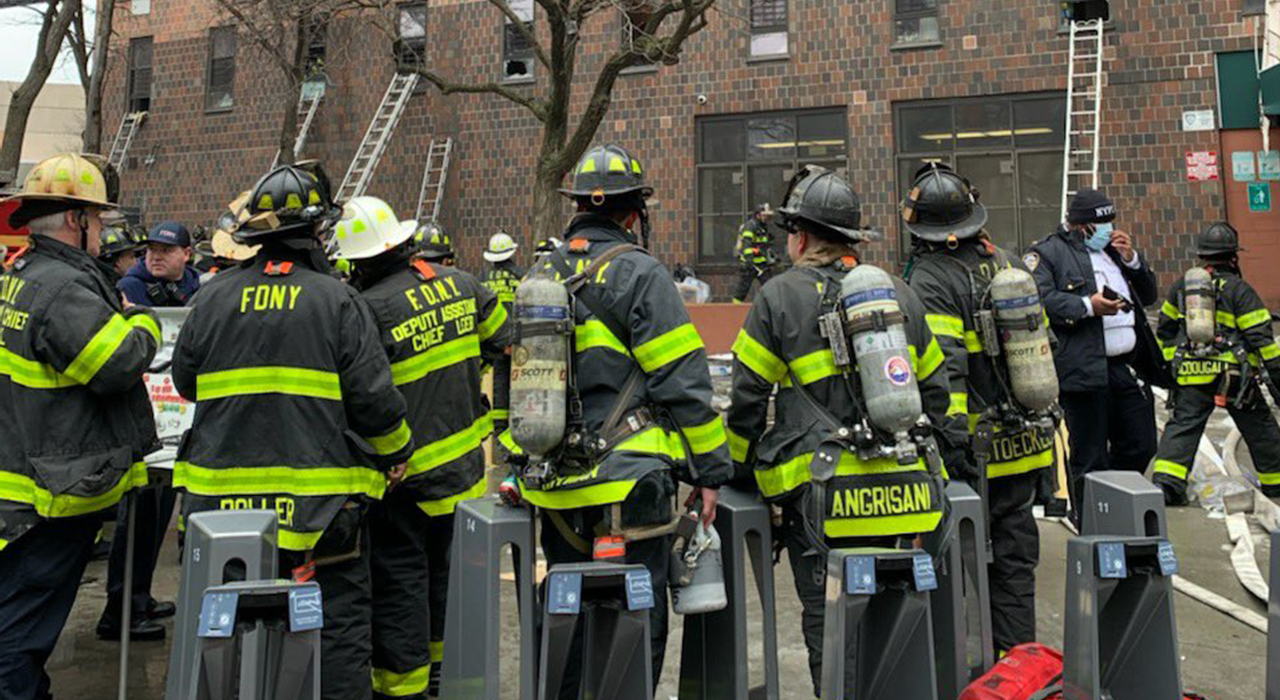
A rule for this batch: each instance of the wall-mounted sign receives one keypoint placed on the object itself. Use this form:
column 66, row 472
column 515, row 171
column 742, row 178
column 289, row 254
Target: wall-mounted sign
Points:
column 1260, row 197
column 1242, row 167
column 1202, row 165
column 1269, row 165
column 1199, row 120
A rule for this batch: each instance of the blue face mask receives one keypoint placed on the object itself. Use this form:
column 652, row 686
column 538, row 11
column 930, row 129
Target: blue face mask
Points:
column 1101, row 237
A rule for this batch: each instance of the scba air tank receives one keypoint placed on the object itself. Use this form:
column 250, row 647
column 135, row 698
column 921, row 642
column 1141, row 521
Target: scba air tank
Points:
column 879, row 343
column 1201, row 307
column 540, row 365
column 1024, row 340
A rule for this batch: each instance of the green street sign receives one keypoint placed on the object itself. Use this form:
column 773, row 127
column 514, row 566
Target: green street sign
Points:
column 1260, row 197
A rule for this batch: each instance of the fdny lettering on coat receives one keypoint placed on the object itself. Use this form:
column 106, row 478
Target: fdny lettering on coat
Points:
column 879, row 501
column 269, row 297
column 10, row 317
column 440, row 303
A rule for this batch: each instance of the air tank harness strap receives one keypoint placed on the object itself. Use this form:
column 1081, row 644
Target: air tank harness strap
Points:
column 983, row 435
column 612, row 530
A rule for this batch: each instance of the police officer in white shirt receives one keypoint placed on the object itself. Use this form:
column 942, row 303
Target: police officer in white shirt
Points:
column 1095, row 284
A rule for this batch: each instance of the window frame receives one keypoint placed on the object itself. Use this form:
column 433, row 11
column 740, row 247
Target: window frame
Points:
column 784, row 28
column 899, row 16
column 746, row 164
column 317, row 55
column 131, row 71
column 951, row 153
column 210, row 60
column 626, row 30
column 528, row 55
column 404, row 44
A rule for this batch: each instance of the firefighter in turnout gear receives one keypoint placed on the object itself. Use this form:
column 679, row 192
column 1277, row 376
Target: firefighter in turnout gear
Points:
column 296, row 410
column 870, row 500
column 434, row 244
column 755, row 252
column 1230, row 370
column 641, row 374
column 503, row 278
column 437, row 324
column 75, row 421
column 952, row 265
column 119, row 246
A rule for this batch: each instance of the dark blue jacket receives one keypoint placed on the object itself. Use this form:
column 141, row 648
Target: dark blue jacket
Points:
column 1064, row 273
column 142, row 288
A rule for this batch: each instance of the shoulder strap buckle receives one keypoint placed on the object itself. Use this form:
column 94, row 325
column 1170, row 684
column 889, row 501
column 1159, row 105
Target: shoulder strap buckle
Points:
column 278, row 269
column 424, row 269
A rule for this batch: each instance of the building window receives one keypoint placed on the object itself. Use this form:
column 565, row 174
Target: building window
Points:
column 317, row 46
column 768, row 27
column 517, row 51
column 1010, row 148
column 748, row 160
column 632, row 32
column 916, row 22
column 138, row 84
column 220, row 79
column 411, row 45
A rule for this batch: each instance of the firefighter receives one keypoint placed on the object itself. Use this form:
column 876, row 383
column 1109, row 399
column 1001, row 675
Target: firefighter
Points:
column 119, row 247
column 75, row 421
column 434, row 244
column 296, row 410
column 952, row 265
column 754, row 248
column 649, row 379
column 546, row 247
column 781, row 345
column 1226, row 373
column 412, row 528
column 503, row 278
column 1106, row 355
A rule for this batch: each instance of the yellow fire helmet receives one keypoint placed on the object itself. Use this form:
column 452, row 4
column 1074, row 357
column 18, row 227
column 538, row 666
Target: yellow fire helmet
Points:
column 68, row 178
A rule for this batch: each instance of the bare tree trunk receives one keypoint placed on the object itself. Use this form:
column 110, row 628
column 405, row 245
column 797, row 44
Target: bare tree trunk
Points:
column 548, row 207
column 53, row 30
column 289, row 128
column 97, row 77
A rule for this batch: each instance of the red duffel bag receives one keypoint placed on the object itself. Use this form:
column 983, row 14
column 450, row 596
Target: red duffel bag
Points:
column 1027, row 671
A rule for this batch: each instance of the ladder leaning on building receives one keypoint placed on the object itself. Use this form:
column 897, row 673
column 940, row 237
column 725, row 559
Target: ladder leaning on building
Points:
column 1085, row 77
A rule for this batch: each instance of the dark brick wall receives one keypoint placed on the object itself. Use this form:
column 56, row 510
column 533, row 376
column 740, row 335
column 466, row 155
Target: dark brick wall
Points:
column 1161, row 63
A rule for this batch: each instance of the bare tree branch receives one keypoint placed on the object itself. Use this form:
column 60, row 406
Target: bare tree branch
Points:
column 53, row 31
column 525, row 27
column 448, row 88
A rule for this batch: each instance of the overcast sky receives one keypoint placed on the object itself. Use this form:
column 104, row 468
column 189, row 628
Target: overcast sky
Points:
column 19, row 28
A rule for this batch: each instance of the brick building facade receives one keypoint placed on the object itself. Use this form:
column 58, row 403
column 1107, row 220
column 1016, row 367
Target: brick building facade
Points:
column 870, row 86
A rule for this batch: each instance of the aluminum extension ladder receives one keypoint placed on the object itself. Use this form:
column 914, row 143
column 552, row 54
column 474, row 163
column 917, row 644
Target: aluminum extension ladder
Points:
column 1084, row 109
column 308, row 105
column 129, row 126
column 434, row 177
column 376, row 137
